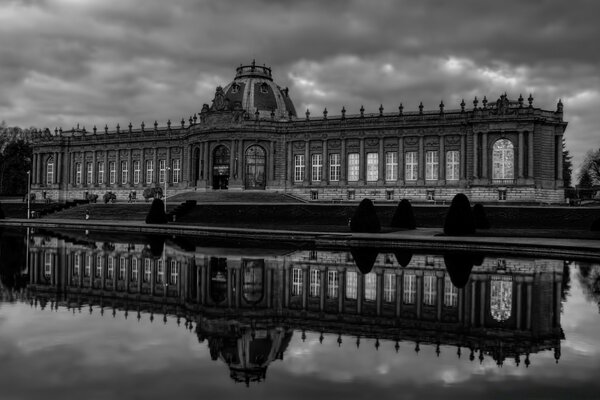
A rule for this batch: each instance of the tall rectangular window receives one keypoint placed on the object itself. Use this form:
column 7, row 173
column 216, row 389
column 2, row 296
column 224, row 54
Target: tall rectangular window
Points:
column 88, row 266
column 112, row 172
column 47, row 264
column 149, row 171
column 315, row 283
column 317, row 167
column 136, row 172
column 333, row 284
column 409, row 288
column 297, row 282
column 99, row 266
column 432, row 165
column 452, row 165
column 122, row 267
column 174, row 273
column 411, row 166
column 89, row 173
column 160, row 275
column 334, row 167
column 371, row 286
column 372, row 167
column 101, row 173
column 78, row 174
column 50, row 172
column 147, row 270
column 76, row 265
column 389, row 287
column 134, row 270
column 351, row 285
column 162, row 171
column 353, row 167
column 391, row 166
column 176, row 170
column 124, row 172
column 299, row 168
column 429, row 290
column 110, row 269
column 450, row 293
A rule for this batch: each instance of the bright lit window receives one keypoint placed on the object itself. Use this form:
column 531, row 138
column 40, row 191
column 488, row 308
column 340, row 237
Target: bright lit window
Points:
column 409, row 289
column 391, row 166
column 176, row 170
column 372, row 167
column 334, row 167
column 503, row 159
column 353, row 167
column 452, row 165
column 297, row 282
column 317, row 167
column 333, row 284
column 149, row 171
column 432, row 165
column 411, row 166
column 299, row 168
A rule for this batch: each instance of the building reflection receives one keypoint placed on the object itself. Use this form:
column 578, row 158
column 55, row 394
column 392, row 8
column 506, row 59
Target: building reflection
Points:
column 246, row 302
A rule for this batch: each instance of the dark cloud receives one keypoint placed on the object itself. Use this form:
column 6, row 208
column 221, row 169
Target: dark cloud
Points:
column 65, row 61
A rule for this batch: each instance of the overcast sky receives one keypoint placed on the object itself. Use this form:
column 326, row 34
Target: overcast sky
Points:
column 64, row 62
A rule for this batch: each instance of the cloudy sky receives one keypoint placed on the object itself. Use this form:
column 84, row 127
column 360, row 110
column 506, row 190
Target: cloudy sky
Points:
column 64, row 62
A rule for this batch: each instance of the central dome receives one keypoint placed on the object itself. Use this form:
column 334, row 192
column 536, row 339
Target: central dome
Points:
column 254, row 89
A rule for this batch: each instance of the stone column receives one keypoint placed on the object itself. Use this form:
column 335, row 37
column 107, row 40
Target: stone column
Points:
column 463, row 158
column 106, row 172
column 559, row 159
column 155, row 171
column 398, row 293
column 401, row 161
column 342, row 289
column 33, row 172
column 307, row 164
column 475, row 156
column 473, row 291
column 484, row 156
column 271, row 161
column 529, row 304
column 381, row 177
column 168, row 166
column 322, row 295
column 482, row 303
column 232, row 159
column 440, row 294
column 530, row 171
column 379, row 291
column 325, row 162
column 206, row 162
column 360, row 292
column 442, row 159
column 419, row 287
column 305, row 287
column 519, row 304
column 421, row 173
column 343, row 163
column 118, row 171
column 521, row 154
column 362, row 162
column 57, row 167
column 290, row 163
column 93, row 168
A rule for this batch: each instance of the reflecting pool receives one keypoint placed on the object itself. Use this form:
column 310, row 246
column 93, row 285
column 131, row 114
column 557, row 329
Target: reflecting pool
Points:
column 98, row 316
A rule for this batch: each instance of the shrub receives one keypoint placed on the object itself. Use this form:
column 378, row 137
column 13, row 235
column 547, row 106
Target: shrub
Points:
column 481, row 220
column 459, row 220
column 364, row 258
column 403, row 257
column 404, row 217
column 1, row 212
column 156, row 215
column 459, row 266
column 365, row 218
column 596, row 225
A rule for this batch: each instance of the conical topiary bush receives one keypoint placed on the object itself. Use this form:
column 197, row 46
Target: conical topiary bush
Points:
column 404, row 217
column 364, row 258
column 459, row 220
column 595, row 225
column 481, row 220
column 403, row 257
column 365, row 218
column 459, row 266
column 156, row 215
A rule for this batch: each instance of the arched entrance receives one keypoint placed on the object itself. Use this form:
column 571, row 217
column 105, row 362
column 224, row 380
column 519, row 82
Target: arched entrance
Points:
column 256, row 161
column 220, row 173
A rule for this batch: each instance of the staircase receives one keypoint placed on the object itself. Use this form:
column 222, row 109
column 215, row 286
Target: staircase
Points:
column 116, row 211
column 226, row 196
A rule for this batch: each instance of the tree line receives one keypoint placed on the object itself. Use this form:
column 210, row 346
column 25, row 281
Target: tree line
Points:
column 15, row 158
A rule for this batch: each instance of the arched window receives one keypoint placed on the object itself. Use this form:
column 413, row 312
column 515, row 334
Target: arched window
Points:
column 503, row 157
column 50, row 171
column 501, row 298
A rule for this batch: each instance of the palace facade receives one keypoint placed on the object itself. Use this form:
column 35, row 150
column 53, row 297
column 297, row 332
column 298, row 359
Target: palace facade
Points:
column 251, row 138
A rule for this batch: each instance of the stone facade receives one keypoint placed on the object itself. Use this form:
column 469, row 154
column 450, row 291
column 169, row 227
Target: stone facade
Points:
column 250, row 138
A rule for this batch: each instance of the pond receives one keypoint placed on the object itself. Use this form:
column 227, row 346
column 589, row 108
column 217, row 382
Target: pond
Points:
column 98, row 316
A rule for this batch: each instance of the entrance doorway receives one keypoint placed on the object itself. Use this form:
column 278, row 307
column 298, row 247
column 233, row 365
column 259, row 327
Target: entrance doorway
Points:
column 255, row 167
column 220, row 173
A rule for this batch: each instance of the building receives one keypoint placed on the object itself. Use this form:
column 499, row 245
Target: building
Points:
column 251, row 138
